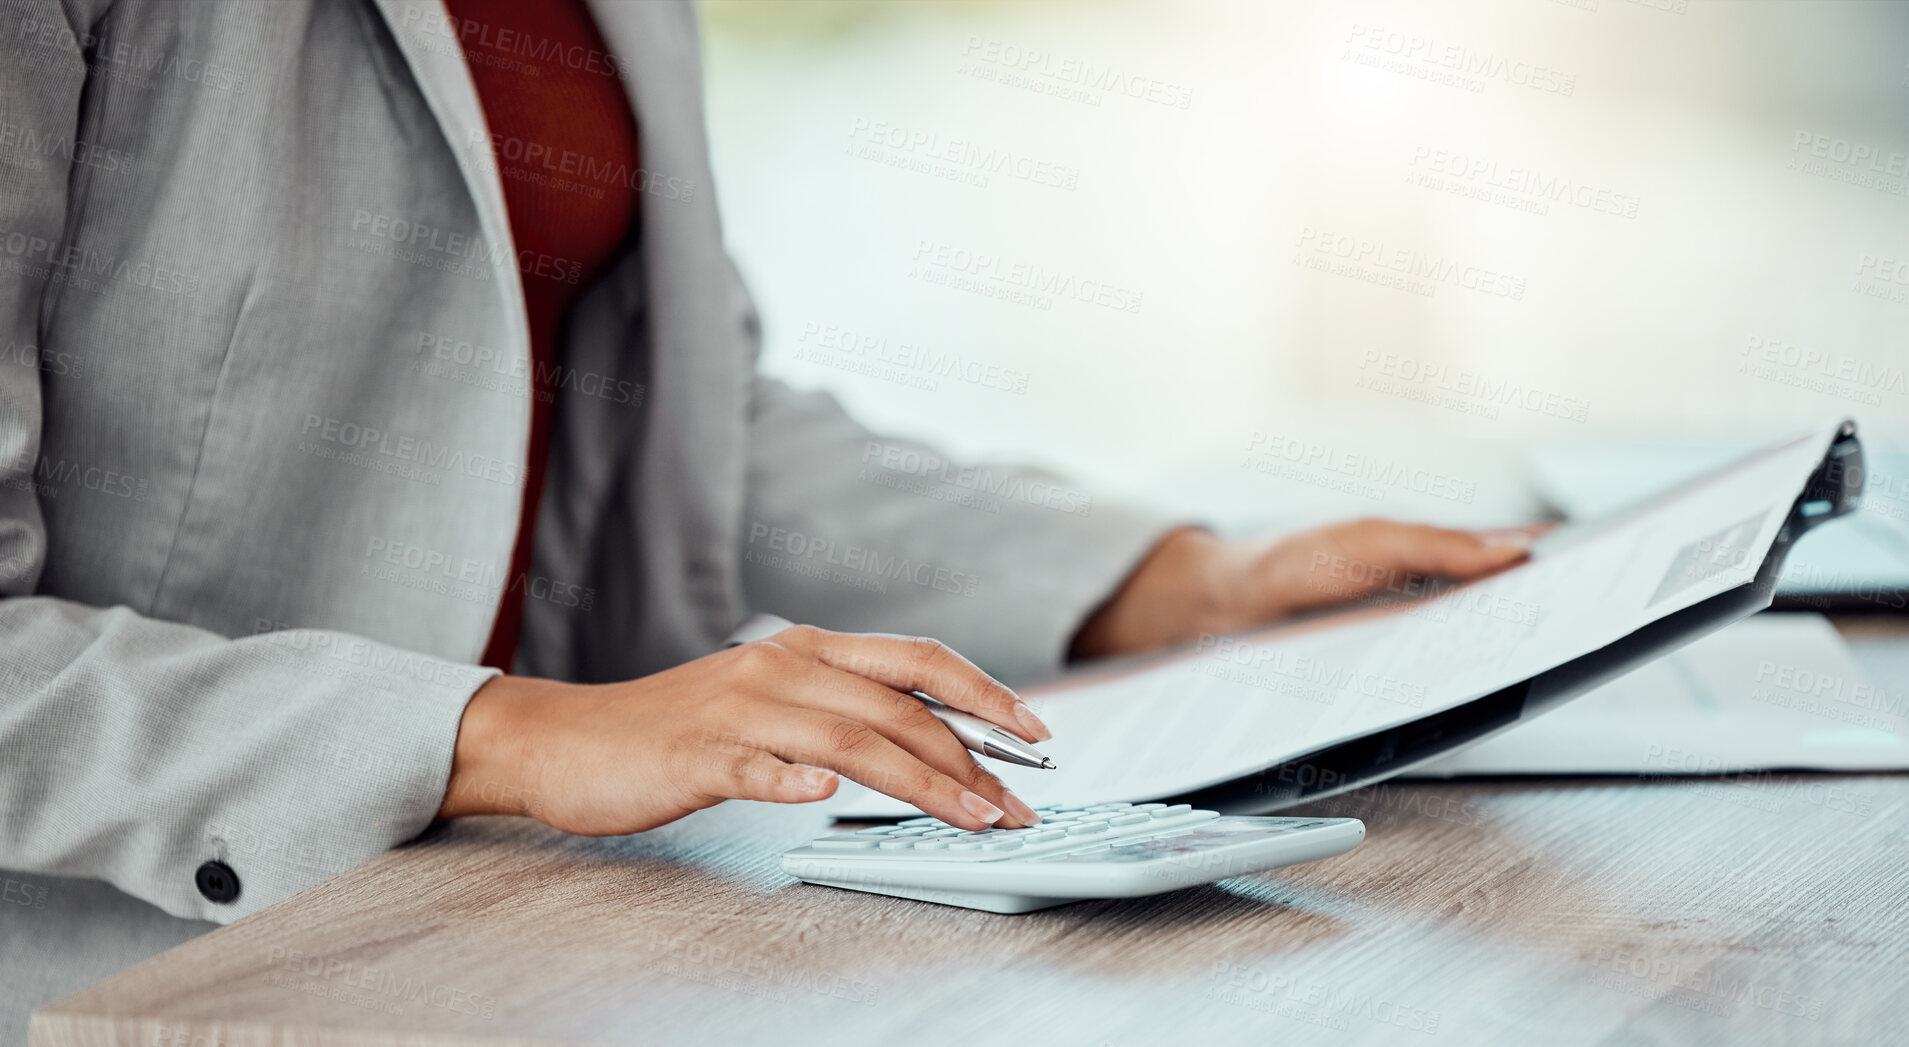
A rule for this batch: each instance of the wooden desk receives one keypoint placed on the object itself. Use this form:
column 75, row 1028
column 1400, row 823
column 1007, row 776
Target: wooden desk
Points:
column 1773, row 910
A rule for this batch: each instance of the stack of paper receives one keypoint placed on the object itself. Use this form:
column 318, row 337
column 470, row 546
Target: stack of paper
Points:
column 1775, row 691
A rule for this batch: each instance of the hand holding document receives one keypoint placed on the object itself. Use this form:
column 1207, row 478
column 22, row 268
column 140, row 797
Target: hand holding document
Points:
column 1233, row 706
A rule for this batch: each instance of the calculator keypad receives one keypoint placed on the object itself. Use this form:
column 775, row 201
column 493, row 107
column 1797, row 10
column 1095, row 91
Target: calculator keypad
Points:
column 1063, row 829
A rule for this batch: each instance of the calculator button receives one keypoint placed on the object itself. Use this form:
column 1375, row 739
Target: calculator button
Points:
column 1130, row 819
column 912, row 822
column 897, row 845
column 930, row 844
column 914, row 831
column 847, row 844
column 1002, row 845
column 1148, row 806
column 1047, row 834
column 964, row 845
column 947, row 831
column 1168, row 812
column 875, row 830
column 1086, row 827
column 1110, row 807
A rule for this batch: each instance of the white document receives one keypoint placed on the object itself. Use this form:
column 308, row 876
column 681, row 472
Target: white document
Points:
column 1774, row 691
column 1233, row 706
column 1866, row 554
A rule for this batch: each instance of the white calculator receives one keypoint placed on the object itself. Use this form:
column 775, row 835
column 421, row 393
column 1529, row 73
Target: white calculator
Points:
column 1103, row 850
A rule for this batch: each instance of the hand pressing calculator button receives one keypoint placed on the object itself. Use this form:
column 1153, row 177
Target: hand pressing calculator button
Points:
column 1108, row 850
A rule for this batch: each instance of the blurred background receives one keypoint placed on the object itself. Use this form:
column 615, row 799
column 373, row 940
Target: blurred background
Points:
column 1269, row 262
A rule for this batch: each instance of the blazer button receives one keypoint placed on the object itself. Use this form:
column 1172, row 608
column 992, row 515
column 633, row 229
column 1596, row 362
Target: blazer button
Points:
column 217, row 882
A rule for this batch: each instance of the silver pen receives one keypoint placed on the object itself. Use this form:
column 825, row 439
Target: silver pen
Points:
column 977, row 734
column 985, row 738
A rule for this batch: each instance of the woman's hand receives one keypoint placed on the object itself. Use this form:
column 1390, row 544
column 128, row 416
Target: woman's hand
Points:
column 774, row 720
column 1193, row 582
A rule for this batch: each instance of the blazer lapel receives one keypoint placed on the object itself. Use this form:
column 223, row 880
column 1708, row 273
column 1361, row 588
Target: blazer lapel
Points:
column 702, row 362
column 437, row 64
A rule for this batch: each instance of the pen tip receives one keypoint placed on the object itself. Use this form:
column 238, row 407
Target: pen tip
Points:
column 1047, row 763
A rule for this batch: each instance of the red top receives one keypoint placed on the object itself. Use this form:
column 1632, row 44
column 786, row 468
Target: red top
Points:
column 564, row 139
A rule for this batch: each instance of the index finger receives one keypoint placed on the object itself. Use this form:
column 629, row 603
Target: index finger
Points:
column 919, row 663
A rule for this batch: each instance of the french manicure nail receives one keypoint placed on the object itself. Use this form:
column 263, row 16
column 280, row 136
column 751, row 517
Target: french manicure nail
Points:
column 819, row 777
column 1020, row 810
column 1031, row 723
column 1506, row 539
column 980, row 808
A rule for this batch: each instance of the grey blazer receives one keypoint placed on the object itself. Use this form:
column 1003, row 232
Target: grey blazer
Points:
column 263, row 412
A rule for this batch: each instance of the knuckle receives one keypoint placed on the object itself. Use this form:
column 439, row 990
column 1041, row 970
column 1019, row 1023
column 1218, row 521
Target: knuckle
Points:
column 930, row 652
column 979, row 778
column 924, row 780
column 739, row 771
column 760, row 656
column 910, row 715
column 847, row 736
column 804, row 635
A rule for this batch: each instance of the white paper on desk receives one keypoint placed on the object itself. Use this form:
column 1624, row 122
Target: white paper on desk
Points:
column 1234, row 706
column 1774, row 691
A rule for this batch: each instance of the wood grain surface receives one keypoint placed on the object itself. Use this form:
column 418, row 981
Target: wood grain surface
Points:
column 1763, row 909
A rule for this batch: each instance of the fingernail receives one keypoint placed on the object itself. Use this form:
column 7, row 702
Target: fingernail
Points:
column 819, row 778
column 1020, row 810
column 980, row 808
column 1506, row 539
column 1031, row 723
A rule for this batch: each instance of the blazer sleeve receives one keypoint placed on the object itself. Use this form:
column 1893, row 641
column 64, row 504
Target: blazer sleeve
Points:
column 851, row 530
column 134, row 750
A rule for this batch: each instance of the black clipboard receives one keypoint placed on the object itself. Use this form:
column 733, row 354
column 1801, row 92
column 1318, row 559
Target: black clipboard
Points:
column 1831, row 491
